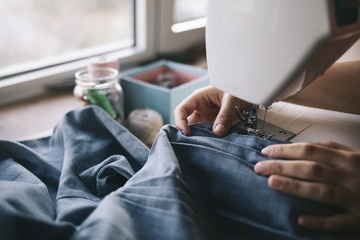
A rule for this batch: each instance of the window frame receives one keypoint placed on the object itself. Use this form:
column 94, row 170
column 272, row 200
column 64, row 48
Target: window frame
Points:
column 153, row 37
column 170, row 41
column 34, row 83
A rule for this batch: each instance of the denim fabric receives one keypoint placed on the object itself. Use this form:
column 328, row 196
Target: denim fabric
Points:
column 92, row 179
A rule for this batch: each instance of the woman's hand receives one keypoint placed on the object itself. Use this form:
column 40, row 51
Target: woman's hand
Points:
column 324, row 172
column 208, row 105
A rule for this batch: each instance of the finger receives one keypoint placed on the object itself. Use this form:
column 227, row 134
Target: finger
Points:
column 318, row 192
column 300, row 169
column 190, row 104
column 335, row 223
column 335, row 145
column 305, row 151
column 203, row 117
column 194, row 117
column 181, row 114
column 309, row 171
column 225, row 117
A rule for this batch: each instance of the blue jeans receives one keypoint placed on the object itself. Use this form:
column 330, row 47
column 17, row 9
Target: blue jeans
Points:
column 92, row 179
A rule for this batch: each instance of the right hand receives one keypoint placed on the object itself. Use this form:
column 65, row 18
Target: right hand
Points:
column 325, row 172
column 209, row 105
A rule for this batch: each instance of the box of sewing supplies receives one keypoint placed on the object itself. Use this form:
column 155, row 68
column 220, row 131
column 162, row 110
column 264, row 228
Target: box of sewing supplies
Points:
column 161, row 86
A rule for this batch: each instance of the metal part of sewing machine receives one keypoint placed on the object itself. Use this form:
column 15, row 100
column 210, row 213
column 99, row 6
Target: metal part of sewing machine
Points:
column 263, row 51
column 260, row 128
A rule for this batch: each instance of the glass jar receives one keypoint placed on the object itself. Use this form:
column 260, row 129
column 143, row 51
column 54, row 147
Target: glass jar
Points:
column 101, row 87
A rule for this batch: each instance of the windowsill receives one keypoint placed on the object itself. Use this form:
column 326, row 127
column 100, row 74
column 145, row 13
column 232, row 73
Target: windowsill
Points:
column 36, row 117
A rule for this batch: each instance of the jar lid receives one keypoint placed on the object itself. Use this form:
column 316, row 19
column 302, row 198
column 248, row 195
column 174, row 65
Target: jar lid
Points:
column 97, row 77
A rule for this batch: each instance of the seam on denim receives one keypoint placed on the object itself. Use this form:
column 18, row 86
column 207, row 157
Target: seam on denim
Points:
column 233, row 131
column 236, row 145
column 216, row 150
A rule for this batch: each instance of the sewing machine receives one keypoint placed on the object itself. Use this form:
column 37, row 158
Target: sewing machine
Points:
column 263, row 51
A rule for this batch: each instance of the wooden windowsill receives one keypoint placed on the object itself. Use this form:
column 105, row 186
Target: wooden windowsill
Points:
column 34, row 117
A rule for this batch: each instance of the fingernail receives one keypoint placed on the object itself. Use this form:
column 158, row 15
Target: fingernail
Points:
column 182, row 132
column 260, row 168
column 220, row 128
column 276, row 182
column 266, row 151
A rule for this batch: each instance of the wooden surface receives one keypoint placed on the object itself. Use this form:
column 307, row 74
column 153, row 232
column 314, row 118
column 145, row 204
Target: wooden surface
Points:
column 34, row 117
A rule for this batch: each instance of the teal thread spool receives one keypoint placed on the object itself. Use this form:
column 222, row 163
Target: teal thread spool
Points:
column 100, row 87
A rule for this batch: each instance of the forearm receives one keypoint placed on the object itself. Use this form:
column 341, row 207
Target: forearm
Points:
column 338, row 89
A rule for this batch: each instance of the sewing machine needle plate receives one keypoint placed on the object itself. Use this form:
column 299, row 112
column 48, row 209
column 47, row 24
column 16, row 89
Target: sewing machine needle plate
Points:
column 272, row 130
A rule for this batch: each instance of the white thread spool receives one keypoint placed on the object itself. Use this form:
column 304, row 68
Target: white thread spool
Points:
column 145, row 124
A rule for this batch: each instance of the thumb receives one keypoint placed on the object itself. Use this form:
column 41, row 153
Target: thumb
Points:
column 224, row 119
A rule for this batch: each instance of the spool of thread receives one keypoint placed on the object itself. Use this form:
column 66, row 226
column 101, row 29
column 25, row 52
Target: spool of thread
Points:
column 145, row 124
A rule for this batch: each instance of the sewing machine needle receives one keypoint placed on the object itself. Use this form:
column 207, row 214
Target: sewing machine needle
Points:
column 263, row 124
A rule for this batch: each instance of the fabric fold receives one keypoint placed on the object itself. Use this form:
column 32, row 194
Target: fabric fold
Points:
column 92, row 179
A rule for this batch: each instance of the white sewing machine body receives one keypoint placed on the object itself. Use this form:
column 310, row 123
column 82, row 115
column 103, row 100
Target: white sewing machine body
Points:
column 265, row 50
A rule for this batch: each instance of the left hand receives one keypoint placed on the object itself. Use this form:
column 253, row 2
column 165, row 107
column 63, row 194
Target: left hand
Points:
column 325, row 172
column 209, row 105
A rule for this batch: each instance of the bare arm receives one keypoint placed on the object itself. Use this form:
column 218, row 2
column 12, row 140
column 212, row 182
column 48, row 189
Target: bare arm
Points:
column 338, row 89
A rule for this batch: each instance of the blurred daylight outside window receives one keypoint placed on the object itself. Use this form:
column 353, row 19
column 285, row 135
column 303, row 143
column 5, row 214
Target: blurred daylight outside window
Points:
column 41, row 33
column 189, row 14
column 187, row 10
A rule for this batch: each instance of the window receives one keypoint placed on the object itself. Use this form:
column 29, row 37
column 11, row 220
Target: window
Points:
column 45, row 42
column 182, row 24
column 42, row 33
column 188, row 15
column 29, row 72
